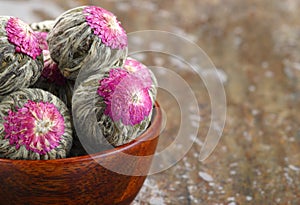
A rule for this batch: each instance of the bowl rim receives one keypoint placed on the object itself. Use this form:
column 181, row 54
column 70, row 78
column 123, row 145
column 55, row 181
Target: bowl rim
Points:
column 149, row 134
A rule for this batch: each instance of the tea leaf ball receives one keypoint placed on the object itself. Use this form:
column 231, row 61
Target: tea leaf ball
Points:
column 21, row 58
column 34, row 124
column 115, row 107
column 87, row 37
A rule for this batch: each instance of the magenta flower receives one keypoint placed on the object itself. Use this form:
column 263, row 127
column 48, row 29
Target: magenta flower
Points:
column 23, row 37
column 130, row 102
column 140, row 70
column 51, row 71
column 37, row 125
column 105, row 25
column 42, row 39
column 109, row 84
column 126, row 97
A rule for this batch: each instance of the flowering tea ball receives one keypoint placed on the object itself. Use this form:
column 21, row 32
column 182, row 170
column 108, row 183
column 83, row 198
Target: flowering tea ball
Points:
column 21, row 59
column 34, row 124
column 87, row 37
column 122, row 101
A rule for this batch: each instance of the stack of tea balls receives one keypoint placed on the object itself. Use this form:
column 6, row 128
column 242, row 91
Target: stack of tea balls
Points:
column 39, row 65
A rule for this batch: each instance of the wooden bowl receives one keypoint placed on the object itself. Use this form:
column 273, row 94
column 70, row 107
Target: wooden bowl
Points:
column 84, row 179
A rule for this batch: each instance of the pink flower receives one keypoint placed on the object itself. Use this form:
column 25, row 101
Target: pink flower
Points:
column 106, row 26
column 130, row 102
column 42, row 39
column 140, row 70
column 126, row 97
column 109, row 84
column 51, row 71
column 37, row 125
column 23, row 37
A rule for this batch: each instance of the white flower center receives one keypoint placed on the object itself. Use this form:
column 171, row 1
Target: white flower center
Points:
column 113, row 23
column 130, row 68
column 137, row 98
column 42, row 126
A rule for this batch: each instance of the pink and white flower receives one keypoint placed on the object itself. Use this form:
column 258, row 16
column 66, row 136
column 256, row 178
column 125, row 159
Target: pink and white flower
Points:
column 42, row 39
column 140, row 70
column 105, row 25
column 126, row 97
column 23, row 37
column 38, row 126
column 51, row 71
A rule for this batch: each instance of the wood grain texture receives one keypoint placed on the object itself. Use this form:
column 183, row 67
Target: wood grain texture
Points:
column 81, row 180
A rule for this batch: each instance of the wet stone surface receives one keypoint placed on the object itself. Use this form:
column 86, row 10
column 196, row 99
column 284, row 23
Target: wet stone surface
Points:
column 256, row 46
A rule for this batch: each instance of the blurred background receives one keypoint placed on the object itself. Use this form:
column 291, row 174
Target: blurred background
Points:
column 255, row 46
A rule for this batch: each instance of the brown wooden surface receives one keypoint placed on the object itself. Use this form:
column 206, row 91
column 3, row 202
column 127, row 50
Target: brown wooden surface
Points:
column 257, row 46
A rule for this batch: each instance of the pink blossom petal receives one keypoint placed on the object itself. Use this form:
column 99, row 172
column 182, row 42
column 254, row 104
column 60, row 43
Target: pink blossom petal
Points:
column 130, row 102
column 108, row 84
column 23, row 37
column 126, row 96
column 140, row 70
column 42, row 39
column 51, row 71
column 106, row 26
column 37, row 125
